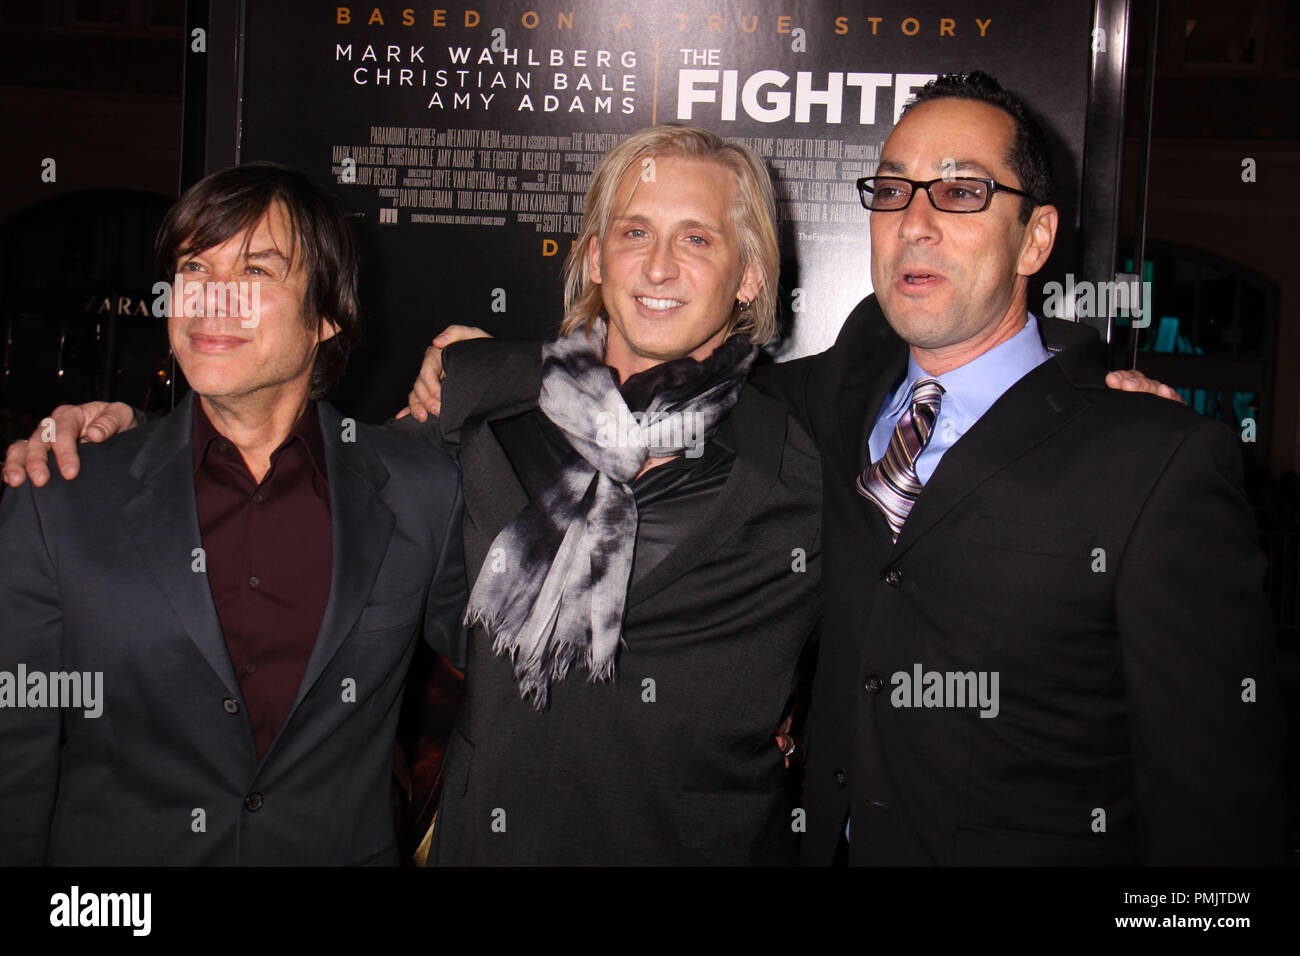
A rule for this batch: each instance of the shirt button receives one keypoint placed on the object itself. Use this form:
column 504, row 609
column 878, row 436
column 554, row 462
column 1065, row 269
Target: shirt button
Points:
column 253, row 582
column 248, row 669
column 893, row 576
column 253, row 802
column 874, row 684
column 841, row 778
column 230, row 705
column 257, row 497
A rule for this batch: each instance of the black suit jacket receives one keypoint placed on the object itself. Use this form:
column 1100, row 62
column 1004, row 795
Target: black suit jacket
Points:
column 1094, row 549
column 679, row 771
column 98, row 576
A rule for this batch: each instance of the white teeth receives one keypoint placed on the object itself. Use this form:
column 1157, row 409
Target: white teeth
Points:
column 658, row 305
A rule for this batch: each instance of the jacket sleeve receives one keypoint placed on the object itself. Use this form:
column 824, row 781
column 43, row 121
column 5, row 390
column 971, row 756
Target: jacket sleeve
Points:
column 488, row 377
column 483, row 377
column 429, row 431
column 31, row 628
column 444, row 631
column 1197, row 647
column 791, row 383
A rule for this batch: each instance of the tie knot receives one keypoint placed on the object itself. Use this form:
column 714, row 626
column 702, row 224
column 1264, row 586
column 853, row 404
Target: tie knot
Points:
column 927, row 391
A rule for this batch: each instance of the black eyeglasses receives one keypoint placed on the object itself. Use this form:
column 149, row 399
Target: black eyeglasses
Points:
column 960, row 195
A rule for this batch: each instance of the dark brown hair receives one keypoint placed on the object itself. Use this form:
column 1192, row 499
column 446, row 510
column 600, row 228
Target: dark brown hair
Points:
column 1029, row 155
column 232, row 201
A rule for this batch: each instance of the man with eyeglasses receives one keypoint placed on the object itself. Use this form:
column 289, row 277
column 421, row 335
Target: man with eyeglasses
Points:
column 1045, row 639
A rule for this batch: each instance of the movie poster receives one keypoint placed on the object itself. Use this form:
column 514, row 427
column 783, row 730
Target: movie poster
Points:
column 463, row 136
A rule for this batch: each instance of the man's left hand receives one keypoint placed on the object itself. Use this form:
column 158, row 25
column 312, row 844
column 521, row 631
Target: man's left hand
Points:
column 1131, row 380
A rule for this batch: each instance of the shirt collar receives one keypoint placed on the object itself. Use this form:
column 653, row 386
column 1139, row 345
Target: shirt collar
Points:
column 975, row 386
column 306, row 430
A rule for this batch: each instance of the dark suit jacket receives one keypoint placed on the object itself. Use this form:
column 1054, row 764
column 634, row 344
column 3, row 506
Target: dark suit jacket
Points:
column 606, row 775
column 1121, row 690
column 98, row 576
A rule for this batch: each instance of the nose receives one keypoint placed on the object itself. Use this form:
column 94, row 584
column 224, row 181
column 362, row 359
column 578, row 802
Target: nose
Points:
column 214, row 297
column 223, row 294
column 919, row 222
column 660, row 263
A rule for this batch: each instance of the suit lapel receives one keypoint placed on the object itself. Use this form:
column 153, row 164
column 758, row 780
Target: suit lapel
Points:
column 872, row 359
column 758, row 424
column 1027, row 413
column 163, row 519
column 362, row 526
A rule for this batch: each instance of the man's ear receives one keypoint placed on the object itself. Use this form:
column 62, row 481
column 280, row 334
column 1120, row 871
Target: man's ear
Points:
column 326, row 330
column 593, row 260
column 751, row 283
column 1040, row 236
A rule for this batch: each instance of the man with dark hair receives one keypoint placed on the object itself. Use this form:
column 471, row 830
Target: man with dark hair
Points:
column 231, row 203
column 204, row 642
column 1045, row 637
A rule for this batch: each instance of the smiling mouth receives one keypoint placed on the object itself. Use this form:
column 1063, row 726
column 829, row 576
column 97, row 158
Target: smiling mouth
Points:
column 659, row 305
column 204, row 342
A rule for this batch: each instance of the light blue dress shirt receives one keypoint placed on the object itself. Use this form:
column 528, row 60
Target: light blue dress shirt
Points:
column 969, row 391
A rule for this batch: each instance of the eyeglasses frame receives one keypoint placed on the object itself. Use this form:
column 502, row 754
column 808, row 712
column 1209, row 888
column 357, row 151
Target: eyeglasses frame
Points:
column 993, row 187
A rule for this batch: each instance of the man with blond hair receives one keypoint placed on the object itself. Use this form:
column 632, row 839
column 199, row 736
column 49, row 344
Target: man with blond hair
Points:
column 644, row 527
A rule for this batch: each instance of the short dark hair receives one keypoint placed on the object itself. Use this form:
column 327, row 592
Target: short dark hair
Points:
column 231, row 201
column 1029, row 156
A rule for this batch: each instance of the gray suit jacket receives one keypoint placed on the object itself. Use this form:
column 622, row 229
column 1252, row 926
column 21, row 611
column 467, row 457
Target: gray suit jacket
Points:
column 98, row 576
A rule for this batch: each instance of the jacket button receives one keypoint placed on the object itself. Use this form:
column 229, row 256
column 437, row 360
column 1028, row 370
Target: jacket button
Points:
column 253, row 802
column 874, row 684
column 230, row 705
column 892, row 576
column 841, row 778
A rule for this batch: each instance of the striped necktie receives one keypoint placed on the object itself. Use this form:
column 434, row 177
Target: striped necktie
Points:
column 892, row 483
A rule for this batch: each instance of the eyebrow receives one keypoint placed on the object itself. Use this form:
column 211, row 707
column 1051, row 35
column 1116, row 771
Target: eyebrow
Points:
column 682, row 224
column 960, row 165
column 268, row 254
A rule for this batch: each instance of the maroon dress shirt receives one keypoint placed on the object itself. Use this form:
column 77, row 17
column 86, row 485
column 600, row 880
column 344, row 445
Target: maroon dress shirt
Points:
column 268, row 549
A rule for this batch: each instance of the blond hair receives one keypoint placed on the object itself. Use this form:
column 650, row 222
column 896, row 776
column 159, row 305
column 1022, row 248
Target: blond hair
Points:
column 753, row 215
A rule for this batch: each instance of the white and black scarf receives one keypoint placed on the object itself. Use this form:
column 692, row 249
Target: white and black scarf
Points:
column 553, row 587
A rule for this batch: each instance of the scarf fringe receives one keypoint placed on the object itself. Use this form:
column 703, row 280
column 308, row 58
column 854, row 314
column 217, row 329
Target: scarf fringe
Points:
column 533, row 677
